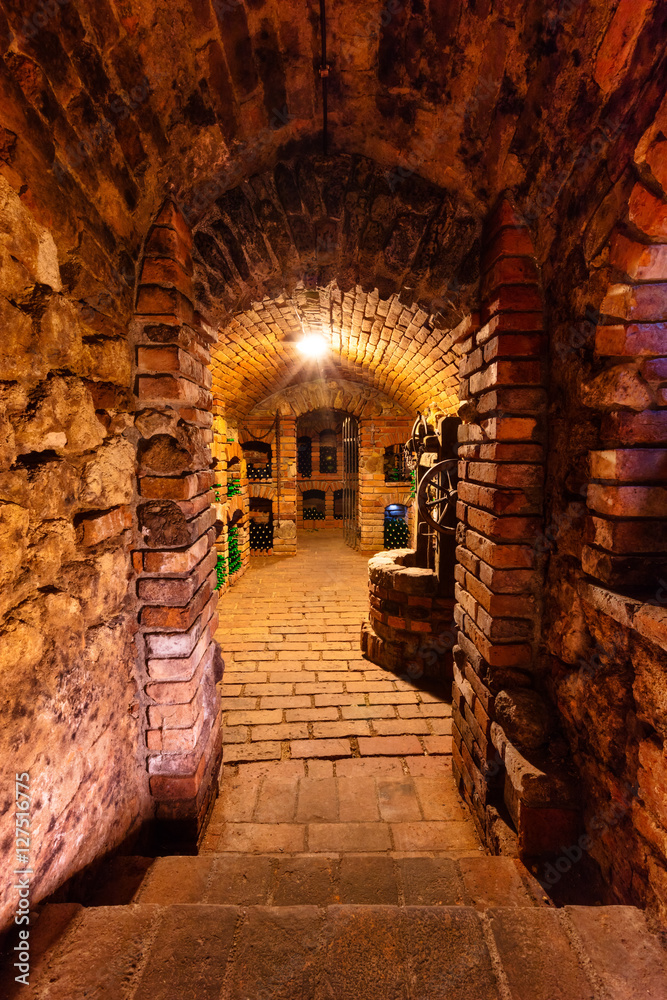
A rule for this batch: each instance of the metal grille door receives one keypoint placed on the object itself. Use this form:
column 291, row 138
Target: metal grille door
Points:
column 351, row 480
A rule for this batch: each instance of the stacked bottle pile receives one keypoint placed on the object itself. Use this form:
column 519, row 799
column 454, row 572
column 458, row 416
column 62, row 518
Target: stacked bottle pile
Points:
column 233, row 549
column 396, row 534
column 313, row 514
column 221, row 571
column 328, row 460
column 233, row 486
column 256, row 472
column 261, row 536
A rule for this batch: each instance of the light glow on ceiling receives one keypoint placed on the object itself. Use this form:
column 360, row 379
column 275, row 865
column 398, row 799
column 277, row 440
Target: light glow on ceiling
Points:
column 313, row 345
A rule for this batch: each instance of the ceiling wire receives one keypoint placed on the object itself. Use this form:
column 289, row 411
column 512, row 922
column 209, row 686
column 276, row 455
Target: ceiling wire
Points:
column 324, row 74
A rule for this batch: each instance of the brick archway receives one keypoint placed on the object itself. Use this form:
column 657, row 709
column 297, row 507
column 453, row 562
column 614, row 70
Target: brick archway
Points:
column 391, row 438
column 261, row 492
column 333, row 394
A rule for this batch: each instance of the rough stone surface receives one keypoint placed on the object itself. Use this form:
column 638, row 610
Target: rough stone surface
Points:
column 524, row 716
column 268, row 951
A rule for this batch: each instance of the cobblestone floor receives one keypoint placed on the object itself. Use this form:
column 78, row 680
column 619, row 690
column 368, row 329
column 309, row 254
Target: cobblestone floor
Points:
column 323, row 751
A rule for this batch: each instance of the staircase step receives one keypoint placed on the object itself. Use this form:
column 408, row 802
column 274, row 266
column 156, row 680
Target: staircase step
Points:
column 322, row 880
column 204, row 951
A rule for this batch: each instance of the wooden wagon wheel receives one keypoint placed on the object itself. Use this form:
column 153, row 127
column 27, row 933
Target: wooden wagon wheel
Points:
column 436, row 498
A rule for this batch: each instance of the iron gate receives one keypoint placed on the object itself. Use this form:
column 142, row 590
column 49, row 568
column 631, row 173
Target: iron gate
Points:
column 351, row 481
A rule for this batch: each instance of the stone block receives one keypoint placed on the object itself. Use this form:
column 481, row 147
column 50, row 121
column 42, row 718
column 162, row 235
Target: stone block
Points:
column 623, row 428
column 170, row 358
column 506, row 373
column 105, row 526
column 636, row 340
column 536, row 955
column 163, row 523
column 173, row 389
column 626, row 957
column 648, row 213
column 176, row 487
column 166, row 272
column 181, row 692
column 174, row 645
column 627, row 501
column 176, row 592
column 154, row 301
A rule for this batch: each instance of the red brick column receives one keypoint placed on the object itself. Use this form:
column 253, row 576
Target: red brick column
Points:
column 376, row 435
column 175, row 559
column 284, row 536
column 500, row 507
column 627, row 495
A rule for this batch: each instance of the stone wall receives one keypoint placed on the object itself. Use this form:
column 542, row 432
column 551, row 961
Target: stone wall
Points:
column 71, row 701
column 606, row 621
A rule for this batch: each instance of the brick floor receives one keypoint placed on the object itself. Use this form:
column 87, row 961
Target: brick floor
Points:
column 301, row 703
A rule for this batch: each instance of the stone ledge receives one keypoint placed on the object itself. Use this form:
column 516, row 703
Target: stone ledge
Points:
column 412, row 654
column 542, row 801
column 532, row 783
column 396, row 570
column 649, row 620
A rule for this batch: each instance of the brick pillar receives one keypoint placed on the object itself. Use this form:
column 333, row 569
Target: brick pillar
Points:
column 374, row 492
column 284, row 535
column 627, row 497
column 371, row 485
column 175, row 559
column 500, row 509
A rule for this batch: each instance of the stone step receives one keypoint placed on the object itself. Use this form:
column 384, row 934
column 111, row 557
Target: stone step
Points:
column 322, row 880
column 206, row 951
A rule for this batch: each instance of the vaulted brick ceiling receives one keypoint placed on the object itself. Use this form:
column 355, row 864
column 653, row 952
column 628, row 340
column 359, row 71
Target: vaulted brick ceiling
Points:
column 435, row 107
column 125, row 96
column 381, row 266
column 395, row 349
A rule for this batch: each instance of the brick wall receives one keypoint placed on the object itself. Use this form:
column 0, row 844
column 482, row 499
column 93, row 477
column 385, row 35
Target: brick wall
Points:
column 175, row 561
column 627, row 498
column 606, row 621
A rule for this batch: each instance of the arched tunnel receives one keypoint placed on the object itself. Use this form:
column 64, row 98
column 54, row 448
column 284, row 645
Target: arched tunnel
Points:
column 333, row 400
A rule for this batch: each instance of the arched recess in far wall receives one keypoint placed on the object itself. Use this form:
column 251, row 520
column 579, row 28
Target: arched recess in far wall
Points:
column 351, row 397
column 257, row 492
